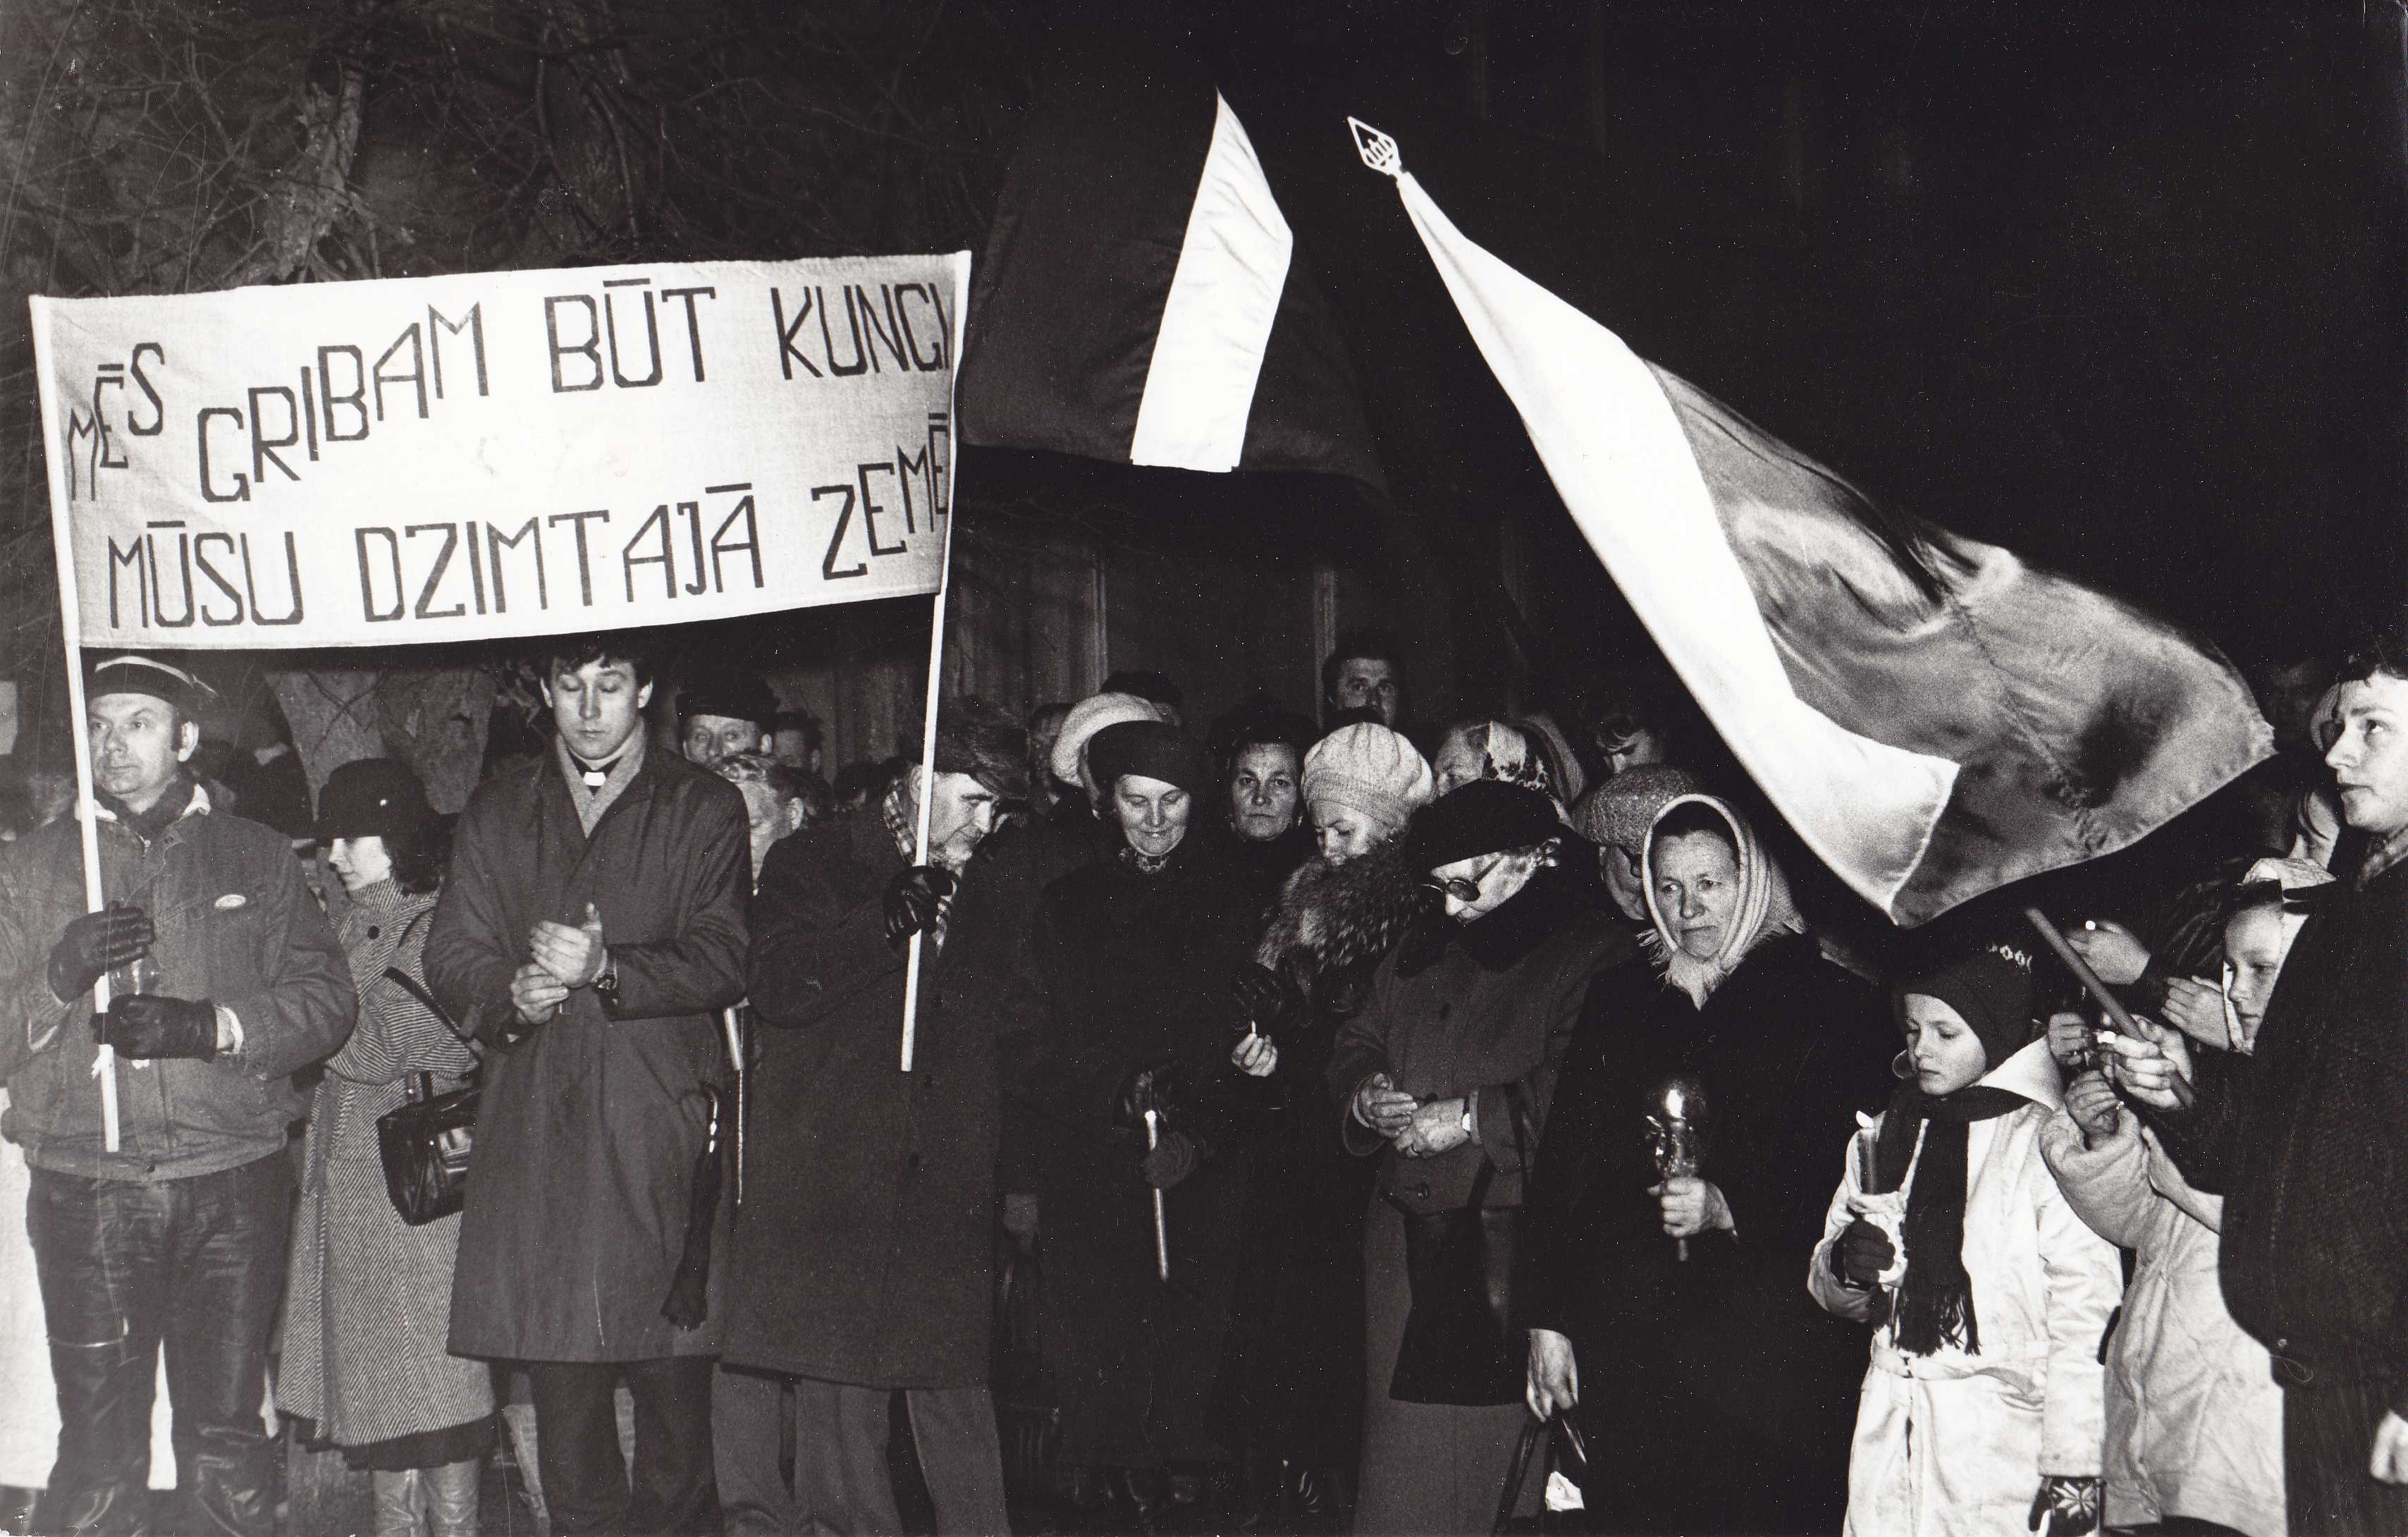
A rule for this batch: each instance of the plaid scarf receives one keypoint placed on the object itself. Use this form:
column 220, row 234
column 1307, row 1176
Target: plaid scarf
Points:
column 901, row 811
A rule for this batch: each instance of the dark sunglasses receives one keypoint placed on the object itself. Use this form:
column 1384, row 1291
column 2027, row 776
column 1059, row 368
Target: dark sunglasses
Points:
column 1463, row 890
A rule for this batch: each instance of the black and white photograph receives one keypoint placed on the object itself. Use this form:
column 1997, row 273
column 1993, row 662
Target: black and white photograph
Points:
column 1093, row 768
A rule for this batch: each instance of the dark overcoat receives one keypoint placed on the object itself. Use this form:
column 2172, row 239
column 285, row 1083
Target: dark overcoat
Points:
column 591, row 1125
column 1125, row 969
column 1789, row 1048
column 865, row 1253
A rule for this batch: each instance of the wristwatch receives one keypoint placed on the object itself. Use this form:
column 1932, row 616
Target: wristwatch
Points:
column 1467, row 1117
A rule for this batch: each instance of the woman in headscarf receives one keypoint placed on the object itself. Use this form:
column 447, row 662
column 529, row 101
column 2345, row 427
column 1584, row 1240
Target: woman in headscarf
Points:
column 1291, row 1385
column 1124, row 1004
column 1725, row 1392
column 1474, row 750
column 1445, row 1076
column 368, row 1299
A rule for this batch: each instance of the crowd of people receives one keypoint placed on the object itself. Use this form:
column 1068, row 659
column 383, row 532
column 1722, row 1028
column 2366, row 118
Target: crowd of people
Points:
column 1310, row 1127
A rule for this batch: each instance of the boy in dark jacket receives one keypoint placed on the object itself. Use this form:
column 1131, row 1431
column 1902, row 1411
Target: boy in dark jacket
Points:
column 2307, row 1137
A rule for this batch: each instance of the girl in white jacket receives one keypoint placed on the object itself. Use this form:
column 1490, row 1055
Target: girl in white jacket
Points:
column 1981, row 1411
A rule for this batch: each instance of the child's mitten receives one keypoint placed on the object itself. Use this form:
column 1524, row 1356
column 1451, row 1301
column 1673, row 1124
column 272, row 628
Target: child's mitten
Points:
column 2065, row 1507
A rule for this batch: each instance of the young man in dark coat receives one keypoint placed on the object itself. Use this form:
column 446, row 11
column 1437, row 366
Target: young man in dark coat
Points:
column 178, row 1235
column 2306, row 1138
column 594, row 916
column 863, row 1264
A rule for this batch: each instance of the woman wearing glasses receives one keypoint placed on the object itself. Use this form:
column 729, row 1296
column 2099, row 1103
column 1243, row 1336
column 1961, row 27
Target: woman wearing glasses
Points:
column 1726, row 1393
column 1445, row 1076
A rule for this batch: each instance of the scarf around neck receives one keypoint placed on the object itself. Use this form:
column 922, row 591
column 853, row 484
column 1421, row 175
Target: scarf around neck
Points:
column 1764, row 909
column 147, row 825
column 1935, row 1300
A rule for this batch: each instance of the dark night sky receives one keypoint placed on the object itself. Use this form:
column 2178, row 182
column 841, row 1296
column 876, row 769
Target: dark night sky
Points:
column 2118, row 286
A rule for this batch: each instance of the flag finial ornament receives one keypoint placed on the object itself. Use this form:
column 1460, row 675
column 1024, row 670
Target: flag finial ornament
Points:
column 1378, row 150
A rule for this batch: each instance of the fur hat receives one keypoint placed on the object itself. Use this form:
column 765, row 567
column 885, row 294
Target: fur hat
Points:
column 984, row 742
column 1151, row 749
column 1087, row 717
column 1372, row 770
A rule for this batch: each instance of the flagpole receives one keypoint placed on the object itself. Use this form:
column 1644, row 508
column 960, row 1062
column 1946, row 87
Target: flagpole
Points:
column 104, row 1065
column 935, row 669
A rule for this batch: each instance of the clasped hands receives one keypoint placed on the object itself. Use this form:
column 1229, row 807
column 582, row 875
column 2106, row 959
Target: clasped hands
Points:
column 562, row 959
column 1420, row 1128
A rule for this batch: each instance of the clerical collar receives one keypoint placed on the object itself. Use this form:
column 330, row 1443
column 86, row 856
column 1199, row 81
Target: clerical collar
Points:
column 595, row 775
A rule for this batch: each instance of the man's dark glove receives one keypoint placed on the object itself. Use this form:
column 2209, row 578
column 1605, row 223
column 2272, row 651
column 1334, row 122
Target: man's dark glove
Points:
column 1265, row 999
column 1153, row 1086
column 1174, row 1160
column 2065, row 1507
column 148, row 1025
column 1862, row 1253
column 911, row 900
column 92, row 944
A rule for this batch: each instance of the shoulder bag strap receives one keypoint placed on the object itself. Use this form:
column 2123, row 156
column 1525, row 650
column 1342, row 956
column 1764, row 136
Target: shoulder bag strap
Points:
column 417, row 989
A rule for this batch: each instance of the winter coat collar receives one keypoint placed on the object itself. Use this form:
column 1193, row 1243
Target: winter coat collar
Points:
column 1499, row 939
column 1334, row 917
column 2031, row 1073
column 187, row 796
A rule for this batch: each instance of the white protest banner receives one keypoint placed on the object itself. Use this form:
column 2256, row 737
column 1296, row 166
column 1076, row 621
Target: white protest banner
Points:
column 513, row 453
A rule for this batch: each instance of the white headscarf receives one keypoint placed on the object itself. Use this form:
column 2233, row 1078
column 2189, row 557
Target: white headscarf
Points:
column 1764, row 908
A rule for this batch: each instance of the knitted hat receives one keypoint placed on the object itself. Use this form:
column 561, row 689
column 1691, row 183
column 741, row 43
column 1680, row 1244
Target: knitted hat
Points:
column 371, row 798
column 982, row 741
column 734, row 696
column 1087, row 717
column 1370, row 768
column 1482, row 817
column 1151, row 749
column 1621, row 809
column 1991, row 988
column 128, row 673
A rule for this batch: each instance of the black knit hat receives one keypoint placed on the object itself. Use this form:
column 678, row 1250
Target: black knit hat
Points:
column 372, row 797
column 734, row 696
column 1482, row 817
column 1152, row 749
column 1990, row 988
column 984, row 742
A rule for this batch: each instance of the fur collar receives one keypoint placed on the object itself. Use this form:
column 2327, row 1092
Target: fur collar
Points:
column 1334, row 919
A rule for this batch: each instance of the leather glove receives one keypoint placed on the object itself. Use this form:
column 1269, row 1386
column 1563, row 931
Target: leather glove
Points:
column 1153, row 1085
column 1862, row 1253
column 1174, row 1160
column 911, row 900
column 2065, row 1507
column 148, row 1025
column 92, row 944
column 1265, row 999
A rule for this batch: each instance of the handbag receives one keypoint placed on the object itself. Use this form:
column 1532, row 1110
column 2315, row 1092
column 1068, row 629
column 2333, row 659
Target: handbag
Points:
column 424, row 1144
column 1459, row 1345
column 1565, row 1453
column 1028, row 1407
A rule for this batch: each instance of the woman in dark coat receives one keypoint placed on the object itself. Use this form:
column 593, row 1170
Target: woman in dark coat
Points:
column 368, row 1298
column 1725, row 1394
column 1126, row 1001
column 1446, row 1074
column 1290, row 1391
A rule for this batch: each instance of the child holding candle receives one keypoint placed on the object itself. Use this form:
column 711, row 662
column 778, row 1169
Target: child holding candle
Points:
column 1981, row 1411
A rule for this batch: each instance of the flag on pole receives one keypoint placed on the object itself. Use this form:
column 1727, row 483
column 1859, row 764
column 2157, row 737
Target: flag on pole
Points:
column 1140, row 298
column 1933, row 716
